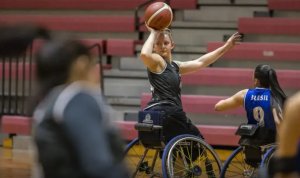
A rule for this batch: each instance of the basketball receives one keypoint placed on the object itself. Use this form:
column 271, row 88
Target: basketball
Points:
column 158, row 15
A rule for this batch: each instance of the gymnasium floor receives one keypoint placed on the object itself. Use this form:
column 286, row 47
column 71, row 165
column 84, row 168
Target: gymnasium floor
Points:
column 15, row 163
column 18, row 163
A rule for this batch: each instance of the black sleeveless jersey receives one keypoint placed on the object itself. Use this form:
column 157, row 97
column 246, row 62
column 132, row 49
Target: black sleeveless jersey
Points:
column 166, row 86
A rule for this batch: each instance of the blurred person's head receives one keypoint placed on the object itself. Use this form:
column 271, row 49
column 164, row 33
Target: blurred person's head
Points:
column 15, row 39
column 61, row 62
column 265, row 77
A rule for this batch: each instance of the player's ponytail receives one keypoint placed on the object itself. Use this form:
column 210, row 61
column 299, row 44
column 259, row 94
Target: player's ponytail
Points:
column 275, row 87
column 268, row 79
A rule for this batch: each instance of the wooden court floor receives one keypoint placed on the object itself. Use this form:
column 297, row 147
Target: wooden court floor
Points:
column 16, row 163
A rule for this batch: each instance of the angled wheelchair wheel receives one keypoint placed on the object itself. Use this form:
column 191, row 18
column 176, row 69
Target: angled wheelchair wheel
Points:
column 236, row 167
column 141, row 161
column 267, row 157
column 190, row 156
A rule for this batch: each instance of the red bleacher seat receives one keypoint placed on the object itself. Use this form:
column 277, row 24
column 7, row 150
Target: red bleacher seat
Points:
column 216, row 77
column 260, row 51
column 13, row 72
column 88, row 4
column 186, row 4
column 284, row 4
column 120, row 47
column 78, row 23
column 20, row 69
column 288, row 79
column 70, row 4
column 214, row 135
column 198, row 104
column 16, row 125
column 92, row 42
column 272, row 26
column 89, row 42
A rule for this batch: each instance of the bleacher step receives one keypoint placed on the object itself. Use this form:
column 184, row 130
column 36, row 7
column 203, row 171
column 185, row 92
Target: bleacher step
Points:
column 135, row 64
column 271, row 38
column 288, row 14
column 198, row 24
column 224, row 13
column 232, row 2
column 196, row 49
column 123, row 101
column 116, row 73
column 199, row 37
column 252, row 2
column 214, row 2
column 125, row 87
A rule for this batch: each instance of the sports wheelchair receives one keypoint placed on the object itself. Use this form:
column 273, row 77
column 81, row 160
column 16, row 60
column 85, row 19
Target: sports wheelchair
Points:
column 183, row 156
column 247, row 159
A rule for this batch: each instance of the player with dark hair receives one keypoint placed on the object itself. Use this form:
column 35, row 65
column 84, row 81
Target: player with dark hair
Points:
column 263, row 105
column 73, row 131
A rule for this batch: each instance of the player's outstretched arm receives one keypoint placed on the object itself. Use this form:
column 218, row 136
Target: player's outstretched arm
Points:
column 209, row 58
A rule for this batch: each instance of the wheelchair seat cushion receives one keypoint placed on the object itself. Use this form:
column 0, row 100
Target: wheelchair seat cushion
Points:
column 262, row 136
column 247, row 129
column 151, row 117
column 153, row 138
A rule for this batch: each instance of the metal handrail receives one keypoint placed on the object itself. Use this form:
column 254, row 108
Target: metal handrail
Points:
column 13, row 100
column 99, row 48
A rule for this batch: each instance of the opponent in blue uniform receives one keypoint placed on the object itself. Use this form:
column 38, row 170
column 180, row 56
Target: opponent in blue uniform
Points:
column 263, row 106
column 258, row 105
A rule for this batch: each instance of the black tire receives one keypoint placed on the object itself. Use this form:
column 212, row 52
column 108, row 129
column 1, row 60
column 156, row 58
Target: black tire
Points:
column 235, row 166
column 267, row 157
column 141, row 161
column 190, row 156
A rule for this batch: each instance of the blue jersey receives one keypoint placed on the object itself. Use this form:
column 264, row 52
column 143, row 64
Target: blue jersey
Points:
column 258, row 106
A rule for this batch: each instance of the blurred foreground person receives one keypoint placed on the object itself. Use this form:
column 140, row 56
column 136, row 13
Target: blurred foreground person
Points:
column 15, row 39
column 286, row 163
column 73, row 130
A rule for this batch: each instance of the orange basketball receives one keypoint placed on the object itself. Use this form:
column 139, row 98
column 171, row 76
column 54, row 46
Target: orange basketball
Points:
column 158, row 15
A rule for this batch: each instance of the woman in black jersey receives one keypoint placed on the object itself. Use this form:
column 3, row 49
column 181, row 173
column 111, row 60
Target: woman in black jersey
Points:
column 164, row 76
column 73, row 130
